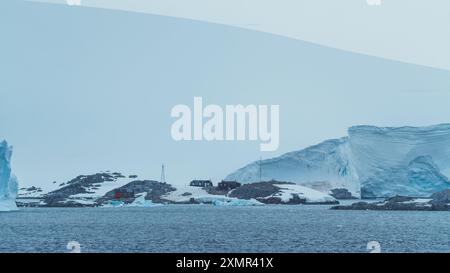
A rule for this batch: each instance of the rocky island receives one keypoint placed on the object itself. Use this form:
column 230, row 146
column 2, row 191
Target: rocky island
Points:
column 274, row 192
column 116, row 189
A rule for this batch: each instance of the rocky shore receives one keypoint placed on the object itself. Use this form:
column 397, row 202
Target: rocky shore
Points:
column 436, row 202
column 113, row 189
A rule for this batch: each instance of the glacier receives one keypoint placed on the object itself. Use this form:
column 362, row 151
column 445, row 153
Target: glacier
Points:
column 410, row 161
column 8, row 182
column 322, row 167
column 370, row 162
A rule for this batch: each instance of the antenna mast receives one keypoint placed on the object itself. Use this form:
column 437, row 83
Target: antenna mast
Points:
column 260, row 169
column 163, row 174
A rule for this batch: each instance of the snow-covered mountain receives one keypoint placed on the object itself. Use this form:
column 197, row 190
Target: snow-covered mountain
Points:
column 8, row 182
column 371, row 162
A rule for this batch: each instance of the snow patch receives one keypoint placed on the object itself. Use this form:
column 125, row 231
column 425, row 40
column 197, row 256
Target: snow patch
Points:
column 287, row 192
column 98, row 190
column 418, row 201
column 184, row 194
column 141, row 202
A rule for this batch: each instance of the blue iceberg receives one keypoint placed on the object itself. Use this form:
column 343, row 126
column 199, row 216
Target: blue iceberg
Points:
column 8, row 182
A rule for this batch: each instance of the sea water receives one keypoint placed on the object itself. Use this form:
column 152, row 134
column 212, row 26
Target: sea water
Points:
column 206, row 228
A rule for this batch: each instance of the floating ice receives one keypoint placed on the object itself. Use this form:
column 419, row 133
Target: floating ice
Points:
column 114, row 204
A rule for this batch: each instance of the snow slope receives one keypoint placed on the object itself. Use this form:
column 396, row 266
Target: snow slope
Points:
column 87, row 189
column 8, row 182
column 325, row 166
column 287, row 191
column 200, row 195
column 183, row 194
column 97, row 190
column 140, row 201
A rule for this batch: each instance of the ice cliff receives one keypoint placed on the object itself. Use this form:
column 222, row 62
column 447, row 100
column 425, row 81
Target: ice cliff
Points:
column 8, row 182
column 323, row 167
column 411, row 161
column 370, row 162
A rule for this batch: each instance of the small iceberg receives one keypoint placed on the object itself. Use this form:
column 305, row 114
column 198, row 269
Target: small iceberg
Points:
column 8, row 182
column 222, row 201
column 113, row 204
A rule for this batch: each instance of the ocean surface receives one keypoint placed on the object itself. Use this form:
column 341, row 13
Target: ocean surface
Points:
column 206, row 228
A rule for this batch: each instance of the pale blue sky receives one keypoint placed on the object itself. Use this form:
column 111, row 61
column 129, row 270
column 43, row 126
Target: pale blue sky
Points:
column 84, row 90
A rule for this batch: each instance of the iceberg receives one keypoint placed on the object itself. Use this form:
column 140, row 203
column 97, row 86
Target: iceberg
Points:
column 8, row 182
column 370, row 162
column 408, row 161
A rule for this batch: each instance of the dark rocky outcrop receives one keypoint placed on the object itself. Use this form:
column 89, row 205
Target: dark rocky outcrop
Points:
column 437, row 202
column 295, row 200
column 441, row 197
column 216, row 191
column 342, row 194
column 266, row 192
column 256, row 190
column 77, row 185
column 32, row 188
column 153, row 190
